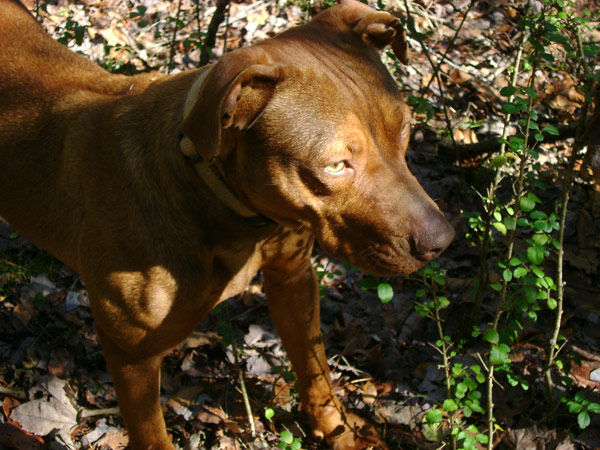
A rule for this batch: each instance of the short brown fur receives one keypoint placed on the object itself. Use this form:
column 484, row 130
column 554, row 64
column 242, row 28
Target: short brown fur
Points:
column 92, row 170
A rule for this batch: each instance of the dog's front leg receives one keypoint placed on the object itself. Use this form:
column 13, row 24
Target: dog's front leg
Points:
column 293, row 299
column 137, row 384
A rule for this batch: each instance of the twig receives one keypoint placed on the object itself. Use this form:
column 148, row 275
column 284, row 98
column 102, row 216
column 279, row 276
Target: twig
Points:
column 432, row 22
column 436, row 74
column 99, row 412
column 211, row 33
column 483, row 254
column 15, row 393
column 444, row 352
column 568, row 183
column 520, row 188
column 449, row 46
column 448, row 62
column 241, row 381
column 585, row 353
column 10, row 263
column 174, row 37
column 492, row 145
column 226, row 32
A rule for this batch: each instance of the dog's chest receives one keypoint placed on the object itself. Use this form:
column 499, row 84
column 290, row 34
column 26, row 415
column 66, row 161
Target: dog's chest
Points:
column 234, row 270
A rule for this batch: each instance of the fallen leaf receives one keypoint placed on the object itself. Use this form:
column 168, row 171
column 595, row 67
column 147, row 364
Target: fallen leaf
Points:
column 110, row 436
column 369, row 394
column 42, row 416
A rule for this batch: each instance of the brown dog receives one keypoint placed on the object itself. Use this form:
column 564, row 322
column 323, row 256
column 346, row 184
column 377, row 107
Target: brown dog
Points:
column 168, row 193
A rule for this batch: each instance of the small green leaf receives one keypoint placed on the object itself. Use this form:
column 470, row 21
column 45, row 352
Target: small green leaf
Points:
column 530, row 294
column 507, row 275
column 556, row 37
column 483, row 438
column 594, row 407
column 548, row 57
column 535, row 255
column 286, row 437
column 477, row 408
column 510, row 108
column 574, row 407
column 491, row 336
column 432, row 432
column 507, row 91
column 449, row 405
column 434, row 415
column 499, row 354
column 516, row 143
column 583, row 419
column 461, row 390
column 537, row 272
column 520, row 272
column 538, row 215
column 530, row 92
column 551, row 130
column 269, row 413
column 499, row 161
column 496, row 286
column 472, row 429
column 510, row 223
column 526, row 204
column 500, row 227
column 385, row 292
column 551, row 303
column 444, row 302
column 470, row 384
column 439, row 279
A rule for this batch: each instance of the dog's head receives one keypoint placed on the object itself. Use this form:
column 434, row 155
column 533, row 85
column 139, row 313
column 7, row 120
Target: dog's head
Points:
column 312, row 131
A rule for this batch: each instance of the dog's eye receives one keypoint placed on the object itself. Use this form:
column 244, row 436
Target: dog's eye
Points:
column 336, row 168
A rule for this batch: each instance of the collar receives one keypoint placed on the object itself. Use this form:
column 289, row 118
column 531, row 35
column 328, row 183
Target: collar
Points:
column 213, row 178
column 210, row 173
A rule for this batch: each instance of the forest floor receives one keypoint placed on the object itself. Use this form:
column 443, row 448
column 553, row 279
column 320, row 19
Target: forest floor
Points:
column 384, row 364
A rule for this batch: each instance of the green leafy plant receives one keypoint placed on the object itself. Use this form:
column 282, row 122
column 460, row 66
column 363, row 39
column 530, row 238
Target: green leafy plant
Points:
column 462, row 383
column 581, row 406
column 532, row 234
column 72, row 31
column 287, row 440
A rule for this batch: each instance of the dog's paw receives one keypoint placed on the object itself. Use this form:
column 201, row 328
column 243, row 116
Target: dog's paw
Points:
column 352, row 433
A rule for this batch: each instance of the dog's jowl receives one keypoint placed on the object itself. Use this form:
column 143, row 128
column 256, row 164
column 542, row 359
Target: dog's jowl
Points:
column 168, row 193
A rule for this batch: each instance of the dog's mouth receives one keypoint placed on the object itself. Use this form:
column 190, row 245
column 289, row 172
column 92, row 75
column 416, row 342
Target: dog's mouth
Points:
column 380, row 259
column 385, row 261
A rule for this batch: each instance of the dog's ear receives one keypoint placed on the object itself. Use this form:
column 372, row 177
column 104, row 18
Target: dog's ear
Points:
column 234, row 94
column 377, row 28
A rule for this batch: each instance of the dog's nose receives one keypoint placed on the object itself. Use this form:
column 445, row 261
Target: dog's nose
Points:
column 432, row 237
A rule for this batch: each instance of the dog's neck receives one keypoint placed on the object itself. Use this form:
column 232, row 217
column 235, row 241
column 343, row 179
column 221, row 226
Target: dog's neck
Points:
column 210, row 171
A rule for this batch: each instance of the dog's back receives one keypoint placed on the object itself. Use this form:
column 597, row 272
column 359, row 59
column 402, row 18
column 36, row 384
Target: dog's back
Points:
column 49, row 96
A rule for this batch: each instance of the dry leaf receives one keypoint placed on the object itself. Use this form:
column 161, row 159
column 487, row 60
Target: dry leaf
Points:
column 54, row 412
column 369, row 394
